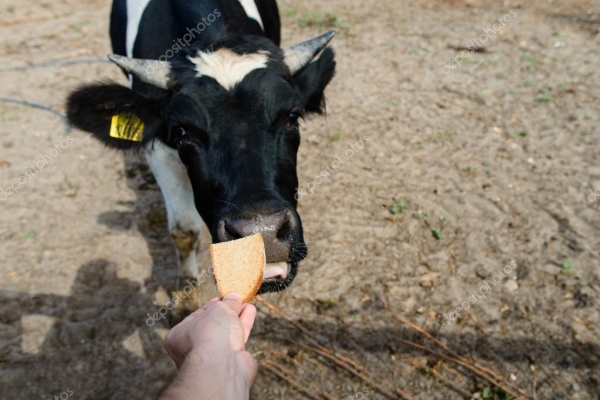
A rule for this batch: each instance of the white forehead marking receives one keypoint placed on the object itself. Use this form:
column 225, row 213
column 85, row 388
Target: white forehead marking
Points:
column 228, row 68
column 252, row 11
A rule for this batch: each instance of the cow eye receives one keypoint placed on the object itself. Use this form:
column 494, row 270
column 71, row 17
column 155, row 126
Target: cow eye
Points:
column 293, row 117
column 176, row 134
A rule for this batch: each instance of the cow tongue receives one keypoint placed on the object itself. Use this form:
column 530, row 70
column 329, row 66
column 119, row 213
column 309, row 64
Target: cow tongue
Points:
column 275, row 270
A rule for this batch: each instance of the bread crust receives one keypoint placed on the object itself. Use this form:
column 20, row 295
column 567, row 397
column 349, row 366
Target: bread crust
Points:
column 239, row 265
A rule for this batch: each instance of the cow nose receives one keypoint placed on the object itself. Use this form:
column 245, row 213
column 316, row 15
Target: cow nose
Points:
column 276, row 229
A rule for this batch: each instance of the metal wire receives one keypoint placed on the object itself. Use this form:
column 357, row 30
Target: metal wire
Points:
column 41, row 107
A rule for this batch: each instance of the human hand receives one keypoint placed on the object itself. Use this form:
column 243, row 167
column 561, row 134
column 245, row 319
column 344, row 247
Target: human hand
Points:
column 208, row 350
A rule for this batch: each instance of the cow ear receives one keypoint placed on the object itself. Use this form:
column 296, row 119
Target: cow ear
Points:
column 115, row 115
column 312, row 80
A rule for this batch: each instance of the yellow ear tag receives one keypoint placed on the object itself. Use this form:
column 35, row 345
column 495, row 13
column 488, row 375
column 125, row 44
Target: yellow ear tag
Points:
column 127, row 126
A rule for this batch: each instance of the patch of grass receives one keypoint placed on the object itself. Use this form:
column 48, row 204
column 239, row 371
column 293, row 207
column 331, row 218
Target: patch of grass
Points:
column 416, row 50
column 258, row 353
column 438, row 234
column 478, row 97
column 310, row 19
column 494, row 394
column 467, row 168
column 446, row 218
column 341, row 24
column 523, row 133
column 291, row 12
column 319, row 20
column 483, row 62
column 78, row 28
column 567, row 268
column 335, row 137
column 30, row 234
column 530, row 59
column 445, row 135
column 398, row 207
column 324, row 305
column 543, row 99
column 6, row 115
column 327, row 303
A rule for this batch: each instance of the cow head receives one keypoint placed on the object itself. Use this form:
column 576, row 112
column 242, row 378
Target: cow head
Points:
column 230, row 111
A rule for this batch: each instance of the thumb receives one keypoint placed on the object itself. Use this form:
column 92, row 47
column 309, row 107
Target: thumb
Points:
column 234, row 302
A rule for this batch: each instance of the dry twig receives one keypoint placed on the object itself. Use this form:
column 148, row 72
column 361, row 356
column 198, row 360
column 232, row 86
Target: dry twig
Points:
column 34, row 18
column 443, row 346
column 273, row 368
column 349, row 365
column 348, row 368
column 448, row 382
column 469, row 366
column 556, row 384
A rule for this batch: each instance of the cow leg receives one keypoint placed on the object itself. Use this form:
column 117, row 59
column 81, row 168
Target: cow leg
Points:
column 185, row 223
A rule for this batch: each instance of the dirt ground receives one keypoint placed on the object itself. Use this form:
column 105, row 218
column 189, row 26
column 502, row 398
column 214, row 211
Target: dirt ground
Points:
column 475, row 189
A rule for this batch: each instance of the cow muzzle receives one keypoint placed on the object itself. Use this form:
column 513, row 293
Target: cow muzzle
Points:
column 278, row 229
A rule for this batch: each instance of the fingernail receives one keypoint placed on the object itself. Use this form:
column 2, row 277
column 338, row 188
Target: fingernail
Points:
column 233, row 296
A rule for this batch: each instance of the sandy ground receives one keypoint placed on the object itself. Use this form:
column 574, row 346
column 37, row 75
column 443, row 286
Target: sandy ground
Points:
column 477, row 182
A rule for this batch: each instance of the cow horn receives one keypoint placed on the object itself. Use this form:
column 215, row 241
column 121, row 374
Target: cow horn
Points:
column 299, row 55
column 154, row 72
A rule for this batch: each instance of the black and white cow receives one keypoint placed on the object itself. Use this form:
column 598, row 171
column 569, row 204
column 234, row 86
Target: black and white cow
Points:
column 214, row 104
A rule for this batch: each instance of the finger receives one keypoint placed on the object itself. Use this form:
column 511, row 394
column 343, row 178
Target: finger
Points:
column 170, row 344
column 210, row 302
column 234, row 302
column 247, row 317
column 199, row 311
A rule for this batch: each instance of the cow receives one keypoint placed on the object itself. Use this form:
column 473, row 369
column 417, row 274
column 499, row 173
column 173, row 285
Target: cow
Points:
column 214, row 103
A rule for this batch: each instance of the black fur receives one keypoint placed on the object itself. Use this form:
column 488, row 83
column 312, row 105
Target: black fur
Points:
column 118, row 26
column 240, row 145
column 91, row 108
column 312, row 80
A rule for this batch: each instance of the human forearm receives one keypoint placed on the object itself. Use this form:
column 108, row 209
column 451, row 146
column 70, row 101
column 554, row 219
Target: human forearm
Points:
column 206, row 376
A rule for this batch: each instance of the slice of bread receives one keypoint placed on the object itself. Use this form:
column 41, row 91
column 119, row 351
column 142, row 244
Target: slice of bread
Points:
column 239, row 265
